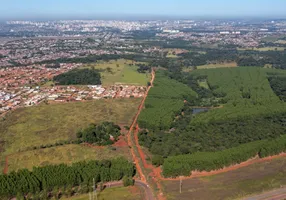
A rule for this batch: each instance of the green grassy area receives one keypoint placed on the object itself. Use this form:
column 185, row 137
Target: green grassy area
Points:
column 118, row 193
column 204, row 84
column 247, row 90
column 271, row 38
column 218, row 65
column 48, row 124
column 236, row 184
column 262, row 49
column 63, row 154
column 197, row 51
column 48, row 84
column 170, row 55
column 120, row 71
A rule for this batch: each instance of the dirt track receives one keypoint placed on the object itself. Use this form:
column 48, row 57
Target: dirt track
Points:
column 137, row 146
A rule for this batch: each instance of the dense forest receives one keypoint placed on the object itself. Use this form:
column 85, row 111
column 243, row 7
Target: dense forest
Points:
column 278, row 85
column 143, row 68
column 54, row 180
column 105, row 133
column 79, row 77
column 248, row 111
column 164, row 100
column 185, row 138
column 242, row 92
column 277, row 59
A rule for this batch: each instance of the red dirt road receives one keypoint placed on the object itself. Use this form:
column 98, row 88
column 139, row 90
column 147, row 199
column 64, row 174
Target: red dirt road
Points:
column 154, row 174
column 134, row 124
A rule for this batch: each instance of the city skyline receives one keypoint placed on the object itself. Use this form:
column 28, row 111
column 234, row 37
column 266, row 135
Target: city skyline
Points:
column 127, row 9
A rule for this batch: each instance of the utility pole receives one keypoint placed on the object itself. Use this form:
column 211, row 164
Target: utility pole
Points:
column 181, row 182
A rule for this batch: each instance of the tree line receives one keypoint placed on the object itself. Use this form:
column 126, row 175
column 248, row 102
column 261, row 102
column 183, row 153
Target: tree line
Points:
column 184, row 137
column 278, row 85
column 46, row 180
column 206, row 161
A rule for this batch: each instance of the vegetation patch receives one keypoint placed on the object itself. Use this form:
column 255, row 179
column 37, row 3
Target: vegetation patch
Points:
column 278, row 84
column 49, row 124
column 242, row 109
column 105, row 133
column 207, row 161
column 262, row 49
column 79, row 77
column 66, row 154
column 57, row 178
column 218, row 65
column 164, row 101
column 236, row 184
column 121, row 193
column 248, row 93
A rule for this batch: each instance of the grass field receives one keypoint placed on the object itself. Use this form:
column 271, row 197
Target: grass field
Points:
column 47, row 124
column 235, row 83
column 218, row 65
column 170, row 55
column 118, row 193
column 236, row 184
column 119, row 71
column 262, row 49
column 63, row 154
column 271, row 38
column 48, row 84
column 204, row 84
column 196, row 51
column 281, row 42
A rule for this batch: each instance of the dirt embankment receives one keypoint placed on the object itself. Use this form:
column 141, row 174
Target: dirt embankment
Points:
column 5, row 170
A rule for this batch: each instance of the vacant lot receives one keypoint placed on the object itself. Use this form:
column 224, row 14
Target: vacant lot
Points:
column 120, row 71
column 231, row 185
column 118, row 193
column 48, row 124
column 218, row 65
column 262, row 49
column 63, row 154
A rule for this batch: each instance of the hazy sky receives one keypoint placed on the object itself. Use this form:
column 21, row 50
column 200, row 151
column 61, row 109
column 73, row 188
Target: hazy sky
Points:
column 113, row 8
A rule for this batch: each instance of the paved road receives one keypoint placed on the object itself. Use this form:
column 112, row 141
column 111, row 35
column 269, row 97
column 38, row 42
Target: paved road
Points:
column 147, row 189
column 278, row 194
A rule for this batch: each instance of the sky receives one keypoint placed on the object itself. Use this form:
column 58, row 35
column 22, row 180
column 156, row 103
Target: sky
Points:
column 20, row 9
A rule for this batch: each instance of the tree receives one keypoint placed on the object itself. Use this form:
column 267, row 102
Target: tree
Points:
column 157, row 160
column 127, row 181
column 105, row 133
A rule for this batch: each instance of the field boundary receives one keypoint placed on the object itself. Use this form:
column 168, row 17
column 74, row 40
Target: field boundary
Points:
column 250, row 161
